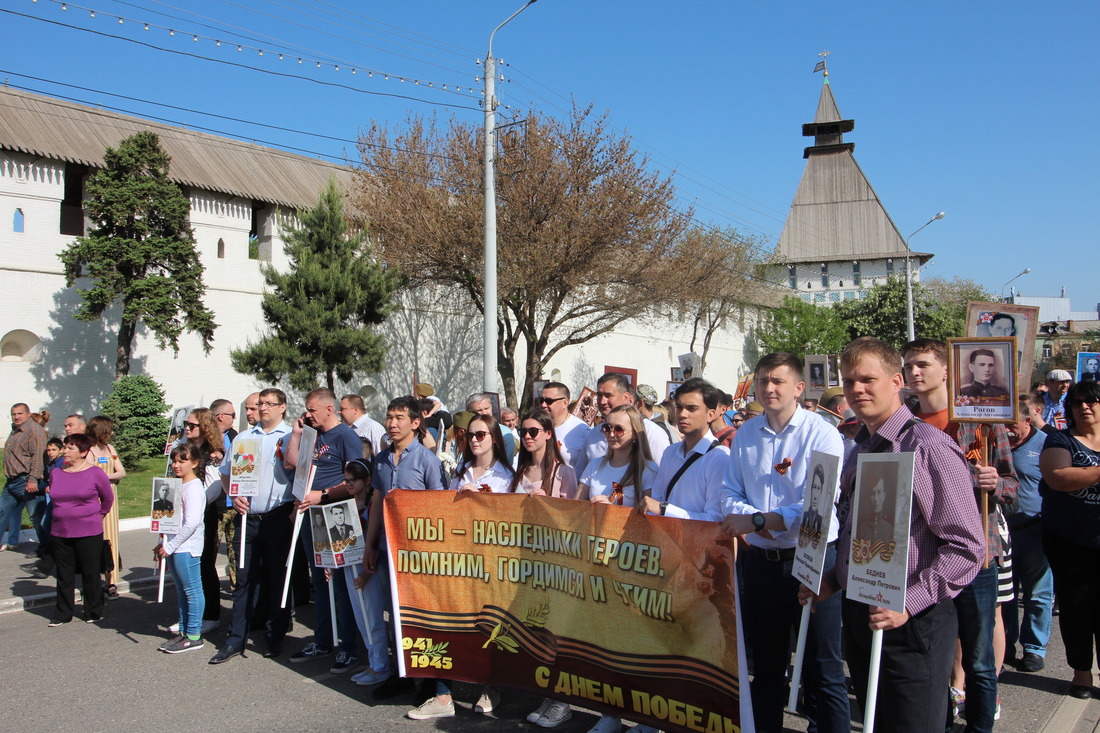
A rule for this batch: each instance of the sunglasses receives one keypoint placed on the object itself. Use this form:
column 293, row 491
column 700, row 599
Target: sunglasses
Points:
column 549, row 400
column 478, row 435
column 608, row 429
column 191, row 425
column 529, row 432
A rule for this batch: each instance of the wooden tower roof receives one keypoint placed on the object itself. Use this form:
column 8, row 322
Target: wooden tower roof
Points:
column 836, row 214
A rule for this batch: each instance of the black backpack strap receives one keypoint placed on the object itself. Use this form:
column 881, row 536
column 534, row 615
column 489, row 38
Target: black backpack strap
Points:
column 687, row 464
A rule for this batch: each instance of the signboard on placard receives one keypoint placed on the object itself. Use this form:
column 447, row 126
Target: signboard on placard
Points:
column 878, row 566
column 305, row 463
column 175, row 427
column 817, row 375
column 245, row 467
column 337, row 535
column 165, row 501
column 818, row 512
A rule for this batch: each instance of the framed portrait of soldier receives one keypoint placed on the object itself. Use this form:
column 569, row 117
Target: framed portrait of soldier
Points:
column 1007, row 320
column 586, row 408
column 878, row 567
column 162, row 512
column 834, row 371
column 1088, row 366
column 337, row 534
column 818, row 510
column 175, row 427
column 536, row 389
column 980, row 379
column 816, row 376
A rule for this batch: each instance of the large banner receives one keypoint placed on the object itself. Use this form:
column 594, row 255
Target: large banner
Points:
column 596, row 605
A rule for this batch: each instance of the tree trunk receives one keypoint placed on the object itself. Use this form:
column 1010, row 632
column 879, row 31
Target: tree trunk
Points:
column 330, row 380
column 124, row 347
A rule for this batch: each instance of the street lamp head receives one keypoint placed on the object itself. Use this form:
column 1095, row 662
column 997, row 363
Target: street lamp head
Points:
column 1026, row 271
column 939, row 215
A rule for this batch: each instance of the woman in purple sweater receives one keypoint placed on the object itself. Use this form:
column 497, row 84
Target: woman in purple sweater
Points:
column 81, row 495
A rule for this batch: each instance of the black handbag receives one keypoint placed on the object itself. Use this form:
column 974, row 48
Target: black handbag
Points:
column 107, row 559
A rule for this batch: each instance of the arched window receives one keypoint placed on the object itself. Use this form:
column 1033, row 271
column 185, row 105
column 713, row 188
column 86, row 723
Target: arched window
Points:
column 19, row 345
column 221, row 249
column 17, row 222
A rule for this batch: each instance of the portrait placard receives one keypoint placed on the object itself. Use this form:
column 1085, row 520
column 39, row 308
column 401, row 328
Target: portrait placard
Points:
column 744, row 388
column 691, row 364
column 303, row 475
column 536, row 390
column 175, row 427
column 878, row 560
column 817, row 375
column 1005, row 320
column 586, row 408
column 818, row 510
column 979, row 379
column 245, row 466
column 670, row 389
column 834, row 370
column 164, row 519
column 1088, row 366
column 337, row 535
column 630, row 374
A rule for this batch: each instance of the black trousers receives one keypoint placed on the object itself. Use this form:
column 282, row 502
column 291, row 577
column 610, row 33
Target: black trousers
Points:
column 85, row 554
column 915, row 671
column 267, row 543
column 1076, row 571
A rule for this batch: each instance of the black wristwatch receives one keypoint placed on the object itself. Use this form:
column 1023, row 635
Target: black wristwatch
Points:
column 758, row 521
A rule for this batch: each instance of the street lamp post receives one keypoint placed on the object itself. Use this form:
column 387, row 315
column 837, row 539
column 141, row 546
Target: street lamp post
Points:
column 909, row 278
column 489, row 373
column 1025, row 271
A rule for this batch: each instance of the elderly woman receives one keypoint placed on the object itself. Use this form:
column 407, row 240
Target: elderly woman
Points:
column 1070, row 488
column 81, row 495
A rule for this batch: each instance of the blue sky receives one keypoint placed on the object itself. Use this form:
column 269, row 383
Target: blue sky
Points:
column 978, row 109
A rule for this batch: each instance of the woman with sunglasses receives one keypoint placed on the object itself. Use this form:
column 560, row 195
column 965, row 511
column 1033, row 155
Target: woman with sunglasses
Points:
column 627, row 471
column 541, row 468
column 485, row 465
column 484, row 468
column 1070, row 488
column 201, row 430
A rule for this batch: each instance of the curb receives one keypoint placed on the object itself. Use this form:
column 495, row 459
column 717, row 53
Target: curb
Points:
column 25, row 603
column 1066, row 716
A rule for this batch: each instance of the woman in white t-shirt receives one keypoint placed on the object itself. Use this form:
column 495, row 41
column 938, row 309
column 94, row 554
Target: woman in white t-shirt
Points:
column 485, row 465
column 541, row 468
column 484, row 468
column 627, row 471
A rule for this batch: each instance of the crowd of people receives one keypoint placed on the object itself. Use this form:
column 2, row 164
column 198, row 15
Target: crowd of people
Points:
column 980, row 591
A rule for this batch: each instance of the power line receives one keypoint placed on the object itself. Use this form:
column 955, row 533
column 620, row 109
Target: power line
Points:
column 215, row 115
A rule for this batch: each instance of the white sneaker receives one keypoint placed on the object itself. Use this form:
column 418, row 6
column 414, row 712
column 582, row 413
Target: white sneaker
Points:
column 432, row 708
column 370, row 677
column 489, row 699
column 211, row 625
column 555, row 715
column 174, row 628
column 533, row 717
column 607, row 724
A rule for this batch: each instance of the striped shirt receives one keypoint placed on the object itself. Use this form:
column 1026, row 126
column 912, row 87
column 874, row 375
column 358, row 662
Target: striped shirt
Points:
column 945, row 532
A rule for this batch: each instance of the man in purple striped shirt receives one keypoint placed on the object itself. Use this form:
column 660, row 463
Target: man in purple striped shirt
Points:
column 945, row 548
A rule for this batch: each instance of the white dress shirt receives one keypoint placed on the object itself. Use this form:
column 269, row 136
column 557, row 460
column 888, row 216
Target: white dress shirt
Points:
column 698, row 493
column 756, row 485
column 275, row 481
column 371, row 431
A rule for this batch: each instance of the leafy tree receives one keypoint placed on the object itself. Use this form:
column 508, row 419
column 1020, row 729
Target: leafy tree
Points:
column 803, row 328
column 883, row 313
column 136, row 404
column 588, row 235
column 321, row 311
column 141, row 253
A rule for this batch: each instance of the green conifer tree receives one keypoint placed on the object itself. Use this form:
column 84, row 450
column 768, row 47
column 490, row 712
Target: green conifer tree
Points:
column 321, row 311
column 141, row 252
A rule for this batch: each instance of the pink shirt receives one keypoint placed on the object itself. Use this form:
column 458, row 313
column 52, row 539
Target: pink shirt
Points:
column 80, row 501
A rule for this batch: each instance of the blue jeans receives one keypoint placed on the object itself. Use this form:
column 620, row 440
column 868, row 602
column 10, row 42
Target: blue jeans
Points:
column 975, row 607
column 770, row 610
column 1033, row 583
column 187, row 575
column 12, row 503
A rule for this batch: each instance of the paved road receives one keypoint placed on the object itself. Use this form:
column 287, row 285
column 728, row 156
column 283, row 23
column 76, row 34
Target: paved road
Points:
column 109, row 676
